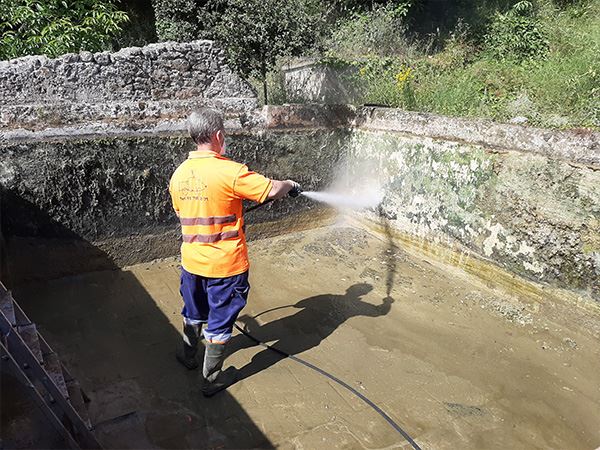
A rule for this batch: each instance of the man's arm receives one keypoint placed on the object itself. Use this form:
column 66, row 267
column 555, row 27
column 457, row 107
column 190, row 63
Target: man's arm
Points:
column 280, row 189
column 253, row 186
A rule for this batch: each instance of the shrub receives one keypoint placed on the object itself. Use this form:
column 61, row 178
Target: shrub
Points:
column 517, row 35
column 458, row 50
column 384, row 81
column 55, row 27
column 177, row 20
column 377, row 32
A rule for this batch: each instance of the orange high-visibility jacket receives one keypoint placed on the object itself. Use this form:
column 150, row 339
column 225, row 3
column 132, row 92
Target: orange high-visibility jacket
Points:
column 207, row 191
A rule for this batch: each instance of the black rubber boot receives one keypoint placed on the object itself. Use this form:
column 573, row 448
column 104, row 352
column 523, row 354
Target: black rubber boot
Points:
column 186, row 355
column 215, row 379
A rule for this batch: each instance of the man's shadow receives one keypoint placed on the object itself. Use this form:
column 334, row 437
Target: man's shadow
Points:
column 317, row 318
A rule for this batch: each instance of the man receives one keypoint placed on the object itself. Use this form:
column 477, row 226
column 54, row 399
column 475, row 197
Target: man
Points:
column 207, row 192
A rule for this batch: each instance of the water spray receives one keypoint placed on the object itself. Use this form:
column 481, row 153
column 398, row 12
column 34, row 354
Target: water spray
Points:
column 369, row 198
column 366, row 199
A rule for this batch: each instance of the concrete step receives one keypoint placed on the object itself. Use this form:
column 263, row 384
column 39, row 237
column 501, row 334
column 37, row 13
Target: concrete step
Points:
column 77, row 400
column 7, row 306
column 30, row 336
column 54, row 369
column 39, row 364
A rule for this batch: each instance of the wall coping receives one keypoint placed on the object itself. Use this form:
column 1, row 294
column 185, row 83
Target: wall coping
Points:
column 123, row 53
column 300, row 63
column 579, row 147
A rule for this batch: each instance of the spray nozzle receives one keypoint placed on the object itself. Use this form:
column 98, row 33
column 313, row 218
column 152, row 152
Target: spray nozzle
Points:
column 295, row 191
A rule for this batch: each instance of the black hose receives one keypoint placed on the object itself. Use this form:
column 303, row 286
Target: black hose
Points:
column 333, row 378
column 258, row 205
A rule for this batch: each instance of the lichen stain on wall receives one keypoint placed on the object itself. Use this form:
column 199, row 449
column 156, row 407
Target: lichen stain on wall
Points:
column 535, row 216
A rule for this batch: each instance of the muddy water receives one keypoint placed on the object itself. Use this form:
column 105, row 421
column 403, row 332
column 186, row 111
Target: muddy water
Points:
column 456, row 362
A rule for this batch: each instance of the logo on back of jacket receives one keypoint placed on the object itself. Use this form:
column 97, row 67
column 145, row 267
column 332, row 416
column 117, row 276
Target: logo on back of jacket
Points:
column 192, row 189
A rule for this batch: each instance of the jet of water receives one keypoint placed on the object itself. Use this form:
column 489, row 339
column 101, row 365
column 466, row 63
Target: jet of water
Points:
column 366, row 199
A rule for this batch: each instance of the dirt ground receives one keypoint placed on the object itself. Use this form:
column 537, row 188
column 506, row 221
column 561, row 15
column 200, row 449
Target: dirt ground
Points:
column 456, row 363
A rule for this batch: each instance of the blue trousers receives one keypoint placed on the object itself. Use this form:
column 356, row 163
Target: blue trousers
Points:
column 214, row 301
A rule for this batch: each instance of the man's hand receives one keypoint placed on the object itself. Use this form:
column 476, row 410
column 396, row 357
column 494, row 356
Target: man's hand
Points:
column 295, row 191
column 281, row 188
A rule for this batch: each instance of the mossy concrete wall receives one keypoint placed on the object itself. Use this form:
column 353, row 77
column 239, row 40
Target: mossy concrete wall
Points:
column 76, row 205
column 74, row 202
column 535, row 215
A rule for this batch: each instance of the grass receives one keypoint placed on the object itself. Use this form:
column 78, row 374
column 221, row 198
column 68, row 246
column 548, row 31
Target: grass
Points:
column 561, row 90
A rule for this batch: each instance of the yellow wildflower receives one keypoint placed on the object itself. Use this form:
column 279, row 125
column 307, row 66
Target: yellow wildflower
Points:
column 403, row 77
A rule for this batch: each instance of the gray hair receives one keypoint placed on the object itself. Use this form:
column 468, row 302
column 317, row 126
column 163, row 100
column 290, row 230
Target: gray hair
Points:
column 203, row 124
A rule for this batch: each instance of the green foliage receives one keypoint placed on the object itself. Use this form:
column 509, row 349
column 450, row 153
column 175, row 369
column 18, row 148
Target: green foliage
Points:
column 255, row 33
column 518, row 34
column 275, row 88
column 556, row 87
column 380, row 31
column 343, row 7
column 141, row 27
column 384, row 81
column 177, row 20
column 55, row 27
column 458, row 50
column 428, row 21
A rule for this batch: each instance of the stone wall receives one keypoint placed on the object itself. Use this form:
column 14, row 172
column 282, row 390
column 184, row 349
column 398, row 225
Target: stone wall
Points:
column 150, row 83
column 310, row 81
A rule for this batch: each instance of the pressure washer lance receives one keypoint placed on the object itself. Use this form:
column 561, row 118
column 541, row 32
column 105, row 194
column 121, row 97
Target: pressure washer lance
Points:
column 295, row 192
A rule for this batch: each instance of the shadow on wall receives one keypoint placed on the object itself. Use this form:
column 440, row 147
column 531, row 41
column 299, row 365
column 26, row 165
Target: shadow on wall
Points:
column 321, row 315
column 66, row 205
column 35, row 246
column 114, row 338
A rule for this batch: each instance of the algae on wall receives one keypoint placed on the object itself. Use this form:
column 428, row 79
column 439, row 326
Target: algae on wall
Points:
column 90, row 204
column 536, row 216
column 92, row 188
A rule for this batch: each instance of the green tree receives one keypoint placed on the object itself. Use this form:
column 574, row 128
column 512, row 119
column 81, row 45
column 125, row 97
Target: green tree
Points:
column 178, row 20
column 55, row 27
column 255, row 33
column 380, row 31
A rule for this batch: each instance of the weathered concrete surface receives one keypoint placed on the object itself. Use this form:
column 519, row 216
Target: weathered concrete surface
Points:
column 575, row 146
column 535, row 216
column 524, row 198
column 156, row 81
column 79, row 205
column 308, row 80
column 456, row 363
